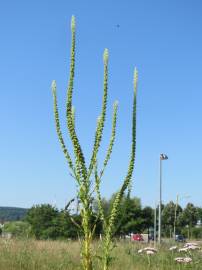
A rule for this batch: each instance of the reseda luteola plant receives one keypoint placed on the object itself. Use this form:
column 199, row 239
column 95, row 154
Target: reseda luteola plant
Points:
column 84, row 174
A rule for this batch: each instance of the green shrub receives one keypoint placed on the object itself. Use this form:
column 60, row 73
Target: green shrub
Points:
column 19, row 229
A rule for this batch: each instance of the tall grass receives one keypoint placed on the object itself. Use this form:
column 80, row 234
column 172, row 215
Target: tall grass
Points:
column 58, row 255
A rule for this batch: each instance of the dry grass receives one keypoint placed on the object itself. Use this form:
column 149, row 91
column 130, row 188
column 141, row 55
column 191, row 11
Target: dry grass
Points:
column 58, row 255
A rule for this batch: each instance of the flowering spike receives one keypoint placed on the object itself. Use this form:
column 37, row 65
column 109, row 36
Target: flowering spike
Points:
column 116, row 103
column 73, row 23
column 53, row 86
column 106, row 56
column 135, row 79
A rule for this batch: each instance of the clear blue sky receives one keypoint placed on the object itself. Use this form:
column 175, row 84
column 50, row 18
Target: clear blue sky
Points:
column 163, row 39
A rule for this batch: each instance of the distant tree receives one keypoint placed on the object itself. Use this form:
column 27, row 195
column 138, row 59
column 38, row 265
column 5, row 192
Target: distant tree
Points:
column 47, row 222
column 168, row 217
column 147, row 218
column 199, row 214
column 69, row 225
column 130, row 216
column 197, row 232
column 12, row 213
column 20, row 229
column 44, row 221
column 189, row 218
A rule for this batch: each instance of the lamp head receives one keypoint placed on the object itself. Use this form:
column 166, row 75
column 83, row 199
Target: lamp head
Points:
column 163, row 157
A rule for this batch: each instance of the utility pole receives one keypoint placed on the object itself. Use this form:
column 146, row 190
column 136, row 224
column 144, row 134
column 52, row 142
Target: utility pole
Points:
column 175, row 218
column 162, row 157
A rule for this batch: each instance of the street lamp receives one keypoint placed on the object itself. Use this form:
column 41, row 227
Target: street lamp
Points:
column 162, row 157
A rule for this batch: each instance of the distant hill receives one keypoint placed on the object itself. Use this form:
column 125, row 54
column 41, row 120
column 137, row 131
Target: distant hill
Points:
column 12, row 213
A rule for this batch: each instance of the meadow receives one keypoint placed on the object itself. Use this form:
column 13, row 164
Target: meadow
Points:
column 61, row 255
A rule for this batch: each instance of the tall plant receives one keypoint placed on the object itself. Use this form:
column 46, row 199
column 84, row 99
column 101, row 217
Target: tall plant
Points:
column 82, row 173
column 109, row 222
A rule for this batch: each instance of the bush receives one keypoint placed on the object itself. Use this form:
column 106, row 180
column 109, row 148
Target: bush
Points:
column 197, row 233
column 19, row 229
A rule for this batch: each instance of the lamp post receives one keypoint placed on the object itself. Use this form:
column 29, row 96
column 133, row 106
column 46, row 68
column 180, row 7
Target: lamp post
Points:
column 162, row 157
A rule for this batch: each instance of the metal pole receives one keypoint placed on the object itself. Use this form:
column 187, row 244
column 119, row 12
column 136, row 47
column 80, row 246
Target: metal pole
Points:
column 175, row 217
column 160, row 200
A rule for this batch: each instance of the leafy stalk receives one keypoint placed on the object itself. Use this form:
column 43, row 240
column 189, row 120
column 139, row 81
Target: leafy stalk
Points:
column 100, row 126
column 58, row 129
column 112, row 138
column 125, row 185
column 108, row 155
column 77, row 148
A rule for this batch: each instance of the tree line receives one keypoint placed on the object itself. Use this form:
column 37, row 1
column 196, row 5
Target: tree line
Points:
column 11, row 213
column 48, row 222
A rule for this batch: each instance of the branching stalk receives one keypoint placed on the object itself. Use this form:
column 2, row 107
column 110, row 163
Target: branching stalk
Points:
column 82, row 173
column 108, row 230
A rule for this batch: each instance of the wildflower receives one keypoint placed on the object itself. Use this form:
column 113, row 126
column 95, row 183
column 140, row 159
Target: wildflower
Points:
column 140, row 251
column 150, row 249
column 187, row 260
column 173, row 248
column 179, row 259
column 193, row 247
column 191, row 244
column 183, row 259
column 147, row 250
column 150, row 252
column 184, row 249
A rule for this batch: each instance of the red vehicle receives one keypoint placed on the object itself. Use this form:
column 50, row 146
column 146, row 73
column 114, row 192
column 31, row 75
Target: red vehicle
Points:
column 137, row 237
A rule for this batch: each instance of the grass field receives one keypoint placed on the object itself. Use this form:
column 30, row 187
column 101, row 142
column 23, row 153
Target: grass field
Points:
column 58, row 255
